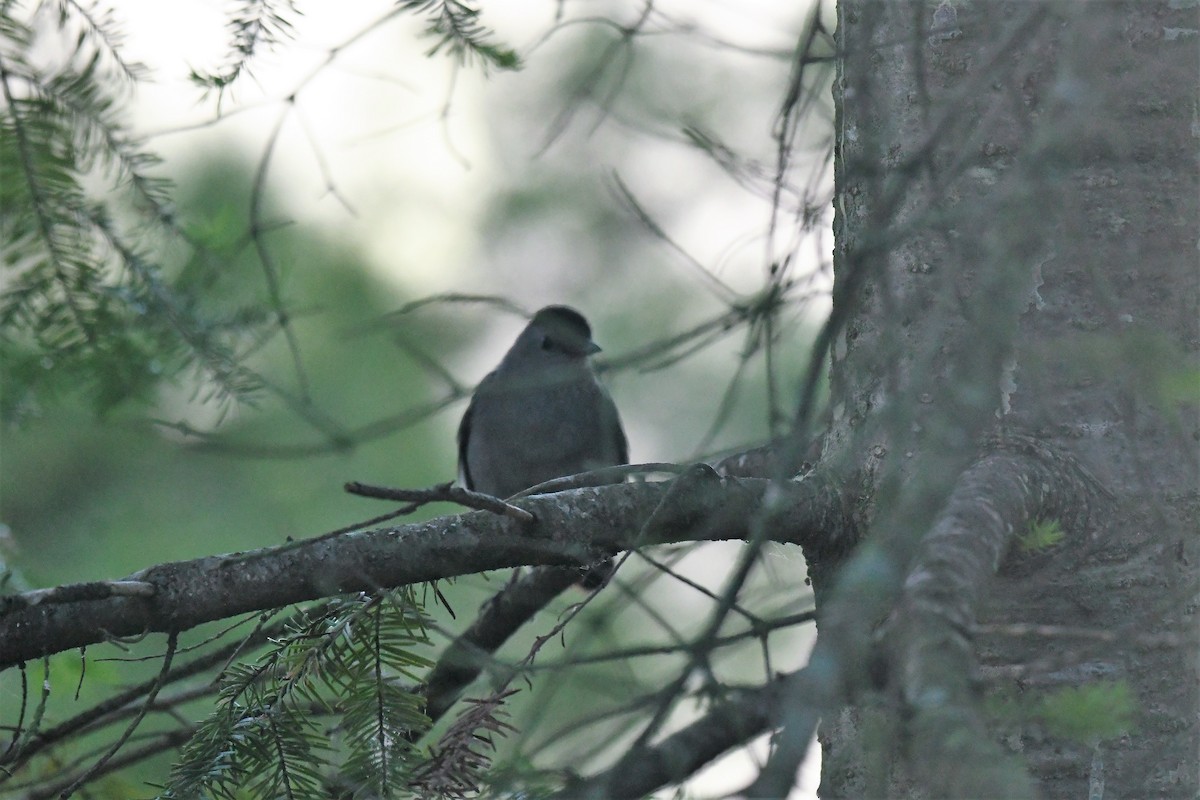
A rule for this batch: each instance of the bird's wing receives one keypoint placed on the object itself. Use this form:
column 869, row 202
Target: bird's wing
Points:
column 612, row 419
column 464, row 435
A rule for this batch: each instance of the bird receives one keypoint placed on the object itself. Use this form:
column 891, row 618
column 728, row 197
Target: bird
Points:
column 541, row 414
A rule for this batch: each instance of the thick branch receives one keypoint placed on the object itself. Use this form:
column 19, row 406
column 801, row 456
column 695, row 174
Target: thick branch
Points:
column 930, row 651
column 572, row 528
column 500, row 617
column 728, row 724
column 1000, row 495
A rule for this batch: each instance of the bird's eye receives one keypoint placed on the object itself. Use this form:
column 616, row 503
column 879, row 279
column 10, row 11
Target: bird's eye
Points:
column 547, row 344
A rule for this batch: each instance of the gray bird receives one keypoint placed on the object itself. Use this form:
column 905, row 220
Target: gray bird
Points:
column 541, row 414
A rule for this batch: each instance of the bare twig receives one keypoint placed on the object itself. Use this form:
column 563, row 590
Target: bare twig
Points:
column 91, row 772
column 76, row 592
column 444, row 493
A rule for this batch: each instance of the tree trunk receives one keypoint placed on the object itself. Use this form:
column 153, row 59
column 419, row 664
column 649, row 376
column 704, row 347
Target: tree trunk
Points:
column 1016, row 278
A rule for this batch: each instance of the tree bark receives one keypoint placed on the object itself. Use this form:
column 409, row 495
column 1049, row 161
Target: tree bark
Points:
column 571, row 528
column 1016, row 217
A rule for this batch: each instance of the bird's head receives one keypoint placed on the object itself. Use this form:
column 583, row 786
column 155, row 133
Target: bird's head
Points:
column 562, row 330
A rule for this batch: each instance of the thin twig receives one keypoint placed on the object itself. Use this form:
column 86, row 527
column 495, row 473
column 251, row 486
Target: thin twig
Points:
column 172, row 640
column 444, row 493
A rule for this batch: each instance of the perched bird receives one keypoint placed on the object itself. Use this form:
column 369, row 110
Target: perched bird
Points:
column 541, row 414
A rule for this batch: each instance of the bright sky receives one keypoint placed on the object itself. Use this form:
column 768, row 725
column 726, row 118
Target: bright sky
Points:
column 371, row 121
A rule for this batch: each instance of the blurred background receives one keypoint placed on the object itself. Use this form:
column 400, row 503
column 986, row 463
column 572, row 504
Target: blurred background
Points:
column 629, row 169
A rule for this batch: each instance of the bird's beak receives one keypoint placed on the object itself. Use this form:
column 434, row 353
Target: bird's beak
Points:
column 591, row 348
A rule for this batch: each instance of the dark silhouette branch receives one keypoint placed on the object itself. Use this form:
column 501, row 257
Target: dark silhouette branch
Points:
column 118, row 706
column 729, row 723
column 160, row 744
column 572, row 529
column 500, row 617
column 516, row 604
column 94, row 769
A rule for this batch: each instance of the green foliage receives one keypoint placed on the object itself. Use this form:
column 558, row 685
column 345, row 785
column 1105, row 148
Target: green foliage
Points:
column 86, row 302
column 352, row 660
column 1089, row 713
column 91, row 305
column 1042, row 535
column 253, row 25
column 1181, row 385
column 258, row 25
column 456, row 27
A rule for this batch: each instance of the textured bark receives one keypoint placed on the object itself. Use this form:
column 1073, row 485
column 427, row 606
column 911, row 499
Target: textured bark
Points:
column 1018, row 200
column 572, row 528
column 930, row 656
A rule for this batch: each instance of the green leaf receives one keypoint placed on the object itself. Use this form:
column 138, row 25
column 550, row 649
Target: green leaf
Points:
column 1089, row 713
column 1042, row 535
column 1181, row 386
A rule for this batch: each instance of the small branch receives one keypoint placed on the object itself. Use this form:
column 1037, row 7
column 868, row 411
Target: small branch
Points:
column 754, row 620
column 729, row 723
column 164, row 742
column 453, row 754
column 92, row 771
column 627, row 653
column 113, row 708
column 442, row 493
column 605, row 476
column 76, row 592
